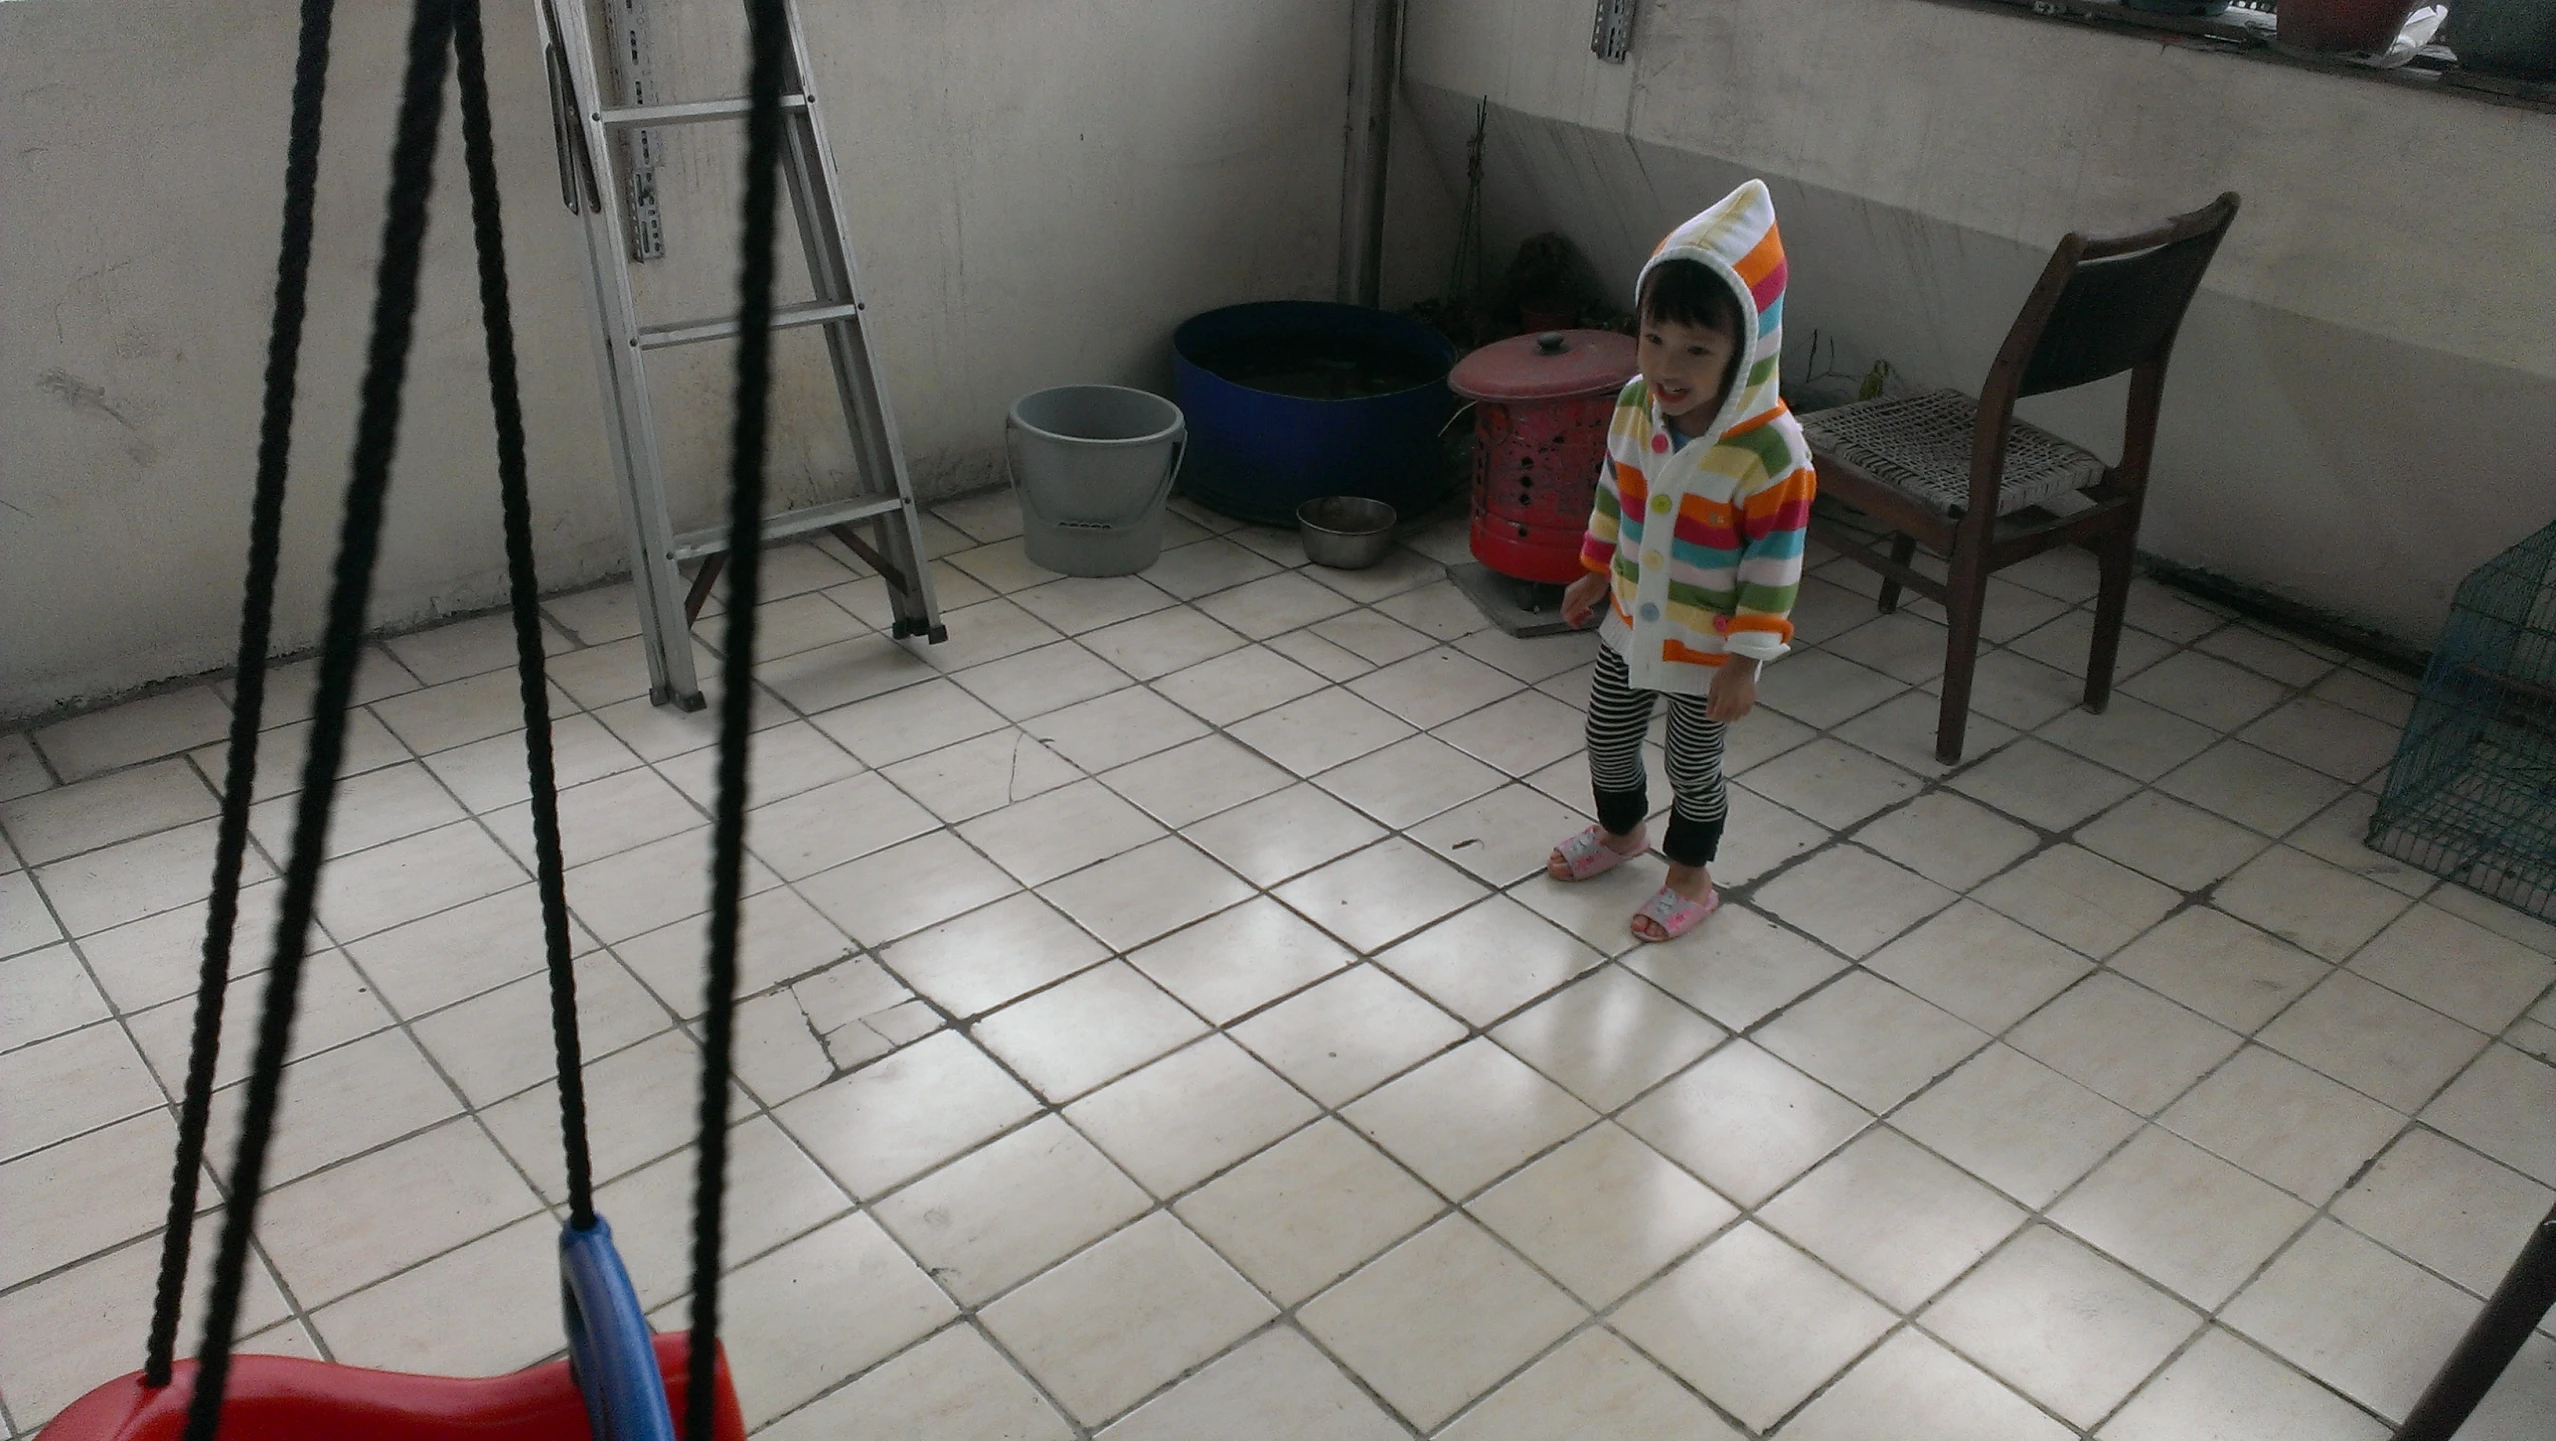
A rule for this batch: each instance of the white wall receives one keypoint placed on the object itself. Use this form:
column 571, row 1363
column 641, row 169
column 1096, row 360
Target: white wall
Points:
column 1041, row 191
column 2363, row 403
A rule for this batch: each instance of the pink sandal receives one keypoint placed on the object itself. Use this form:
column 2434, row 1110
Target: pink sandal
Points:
column 1674, row 914
column 1587, row 854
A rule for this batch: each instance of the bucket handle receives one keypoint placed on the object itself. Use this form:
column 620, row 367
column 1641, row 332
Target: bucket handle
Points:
column 1162, row 492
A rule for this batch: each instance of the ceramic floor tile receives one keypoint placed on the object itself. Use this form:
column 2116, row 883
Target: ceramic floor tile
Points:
column 2252, row 787
column 1893, row 1218
column 1912, row 1389
column 1276, row 1387
column 1237, row 961
column 1870, row 1040
column 781, row 1359
column 1373, row 897
column 1205, row 567
column 1064, row 830
column 782, row 937
column 2443, row 1205
column 2064, row 1325
column 2183, row 846
column 2285, row 660
column 1038, row 681
column 1980, row 966
column 1852, row 899
column 2312, row 1308
column 1273, row 604
column 655, row 1088
column 1530, row 660
column 1488, row 960
column 1119, row 1320
column 1437, row 609
column 72, row 1083
column 22, row 770
column 160, row 957
column 132, row 879
column 1831, row 783
column 1765, row 736
column 2131, row 736
column 1900, row 645
column 342, row 1103
column 2456, row 967
column 896, row 1118
column 119, row 1175
column 2309, row 903
column 659, row 733
column 2205, row 689
column 67, row 820
column 457, row 712
column 1320, row 731
column 1593, row 1384
column 348, row 1226
column 1738, row 970
column 1609, row 1037
column 1745, row 1122
column 1088, row 1031
column 141, row 730
column 1436, row 686
column 987, row 631
column 1822, row 690
column 2340, row 834
column 953, row 1387
column 44, row 993
column 2127, row 1044
column 1948, row 840
column 26, row 922
column 1191, row 782
column 641, row 889
column 1240, row 683
column 2067, row 642
column 1308, row 1210
column 1003, row 565
column 2284, row 1122
column 1344, row 1036
column 430, row 963
column 1080, row 603
column 1602, row 1214
column 1902, row 731
column 1371, row 636
column 1440, row 1319
column 2380, row 695
column 1156, row 645
column 499, row 1042
column 489, row 775
column 2221, row 967
column 982, row 960
column 2500, row 1106
column 997, row 1216
column 977, row 777
column 2223, row 1389
column 2181, row 1216
column 2323, row 736
column 337, row 1006
column 906, row 723
column 1761, row 836
column 2017, row 691
column 1149, row 892
column 1115, row 729
column 2017, row 1124
column 1753, row 1324
column 96, row 1316
column 1191, row 1114
column 1502, row 837
column 1467, row 1117
column 1285, row 834
column 382, row 805
column 1520, row 735
column 2042, row 785
column 1411, row 780
column 2080, row 900
column 2374, row 1041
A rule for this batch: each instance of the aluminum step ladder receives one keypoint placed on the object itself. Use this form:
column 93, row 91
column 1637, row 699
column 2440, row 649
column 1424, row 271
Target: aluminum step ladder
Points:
column 668, row 603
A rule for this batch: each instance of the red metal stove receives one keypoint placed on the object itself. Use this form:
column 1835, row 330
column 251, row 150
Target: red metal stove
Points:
column 1541, row 407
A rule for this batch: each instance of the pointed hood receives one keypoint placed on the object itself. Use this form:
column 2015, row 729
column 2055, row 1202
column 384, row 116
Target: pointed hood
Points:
column 1736, row 240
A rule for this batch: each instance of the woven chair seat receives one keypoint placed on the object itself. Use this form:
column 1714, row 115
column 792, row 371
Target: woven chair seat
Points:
column 1920, row 444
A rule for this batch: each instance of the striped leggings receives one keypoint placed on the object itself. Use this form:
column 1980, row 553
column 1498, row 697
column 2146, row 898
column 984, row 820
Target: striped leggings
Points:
column 1618, row 718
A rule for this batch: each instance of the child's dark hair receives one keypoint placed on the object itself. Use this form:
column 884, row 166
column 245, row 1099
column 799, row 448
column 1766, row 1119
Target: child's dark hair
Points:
column 1685, row 292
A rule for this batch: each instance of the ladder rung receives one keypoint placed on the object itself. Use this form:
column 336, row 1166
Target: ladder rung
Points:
column 691, row 112
column 784, row 317
column 692, row 545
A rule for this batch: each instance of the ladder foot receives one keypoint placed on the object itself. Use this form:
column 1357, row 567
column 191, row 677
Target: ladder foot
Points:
column 686, row 701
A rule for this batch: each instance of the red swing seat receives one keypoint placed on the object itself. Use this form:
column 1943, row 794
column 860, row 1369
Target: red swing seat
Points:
column 290, row 1398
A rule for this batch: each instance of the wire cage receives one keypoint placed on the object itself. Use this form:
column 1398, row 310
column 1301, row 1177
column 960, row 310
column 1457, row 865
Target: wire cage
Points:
column 2471, row 796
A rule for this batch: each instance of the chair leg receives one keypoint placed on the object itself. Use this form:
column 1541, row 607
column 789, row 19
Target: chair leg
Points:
column 1968, row 596
column 1903, row 549
column 2112, row 604
column 2496, row 1336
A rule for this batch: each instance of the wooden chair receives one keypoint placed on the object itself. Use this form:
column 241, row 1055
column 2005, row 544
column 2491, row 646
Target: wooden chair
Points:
column 1945, row 471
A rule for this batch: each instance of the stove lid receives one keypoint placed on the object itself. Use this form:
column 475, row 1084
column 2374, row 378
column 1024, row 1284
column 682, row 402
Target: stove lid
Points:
column 1553, row 365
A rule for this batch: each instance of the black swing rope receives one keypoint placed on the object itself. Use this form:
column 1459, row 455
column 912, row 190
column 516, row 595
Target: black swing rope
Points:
column 435, row 25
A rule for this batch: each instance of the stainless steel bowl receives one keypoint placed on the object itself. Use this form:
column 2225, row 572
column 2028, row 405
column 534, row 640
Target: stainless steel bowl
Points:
column 1345, row 532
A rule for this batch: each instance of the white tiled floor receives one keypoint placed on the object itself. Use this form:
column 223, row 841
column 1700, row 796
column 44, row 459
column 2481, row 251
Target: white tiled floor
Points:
column 1159, row 1027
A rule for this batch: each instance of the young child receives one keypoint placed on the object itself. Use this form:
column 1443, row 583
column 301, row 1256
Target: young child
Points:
column 1694, row 548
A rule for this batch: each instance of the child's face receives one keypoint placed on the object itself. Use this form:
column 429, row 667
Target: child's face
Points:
column 1684, row 366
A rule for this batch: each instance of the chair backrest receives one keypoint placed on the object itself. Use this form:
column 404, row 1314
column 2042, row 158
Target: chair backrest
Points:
column 2104, row 306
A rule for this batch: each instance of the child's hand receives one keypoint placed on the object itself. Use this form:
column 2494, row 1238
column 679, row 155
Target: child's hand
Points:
column 1581, row 599
column 1734, row 691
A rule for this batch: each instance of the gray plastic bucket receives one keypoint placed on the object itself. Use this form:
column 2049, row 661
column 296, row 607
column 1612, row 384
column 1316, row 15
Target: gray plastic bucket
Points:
column 1093, row 465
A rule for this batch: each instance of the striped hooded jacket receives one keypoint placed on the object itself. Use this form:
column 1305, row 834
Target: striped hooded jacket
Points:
column 1703, row 543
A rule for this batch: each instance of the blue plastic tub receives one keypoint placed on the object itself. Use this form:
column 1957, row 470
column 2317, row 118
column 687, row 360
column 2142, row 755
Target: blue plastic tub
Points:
column 1291, row 400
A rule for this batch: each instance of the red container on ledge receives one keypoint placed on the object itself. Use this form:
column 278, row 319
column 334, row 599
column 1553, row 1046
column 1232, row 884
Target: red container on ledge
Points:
column 1541, row 407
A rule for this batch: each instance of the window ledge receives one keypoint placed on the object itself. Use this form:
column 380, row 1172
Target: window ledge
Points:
column 2248, row 36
